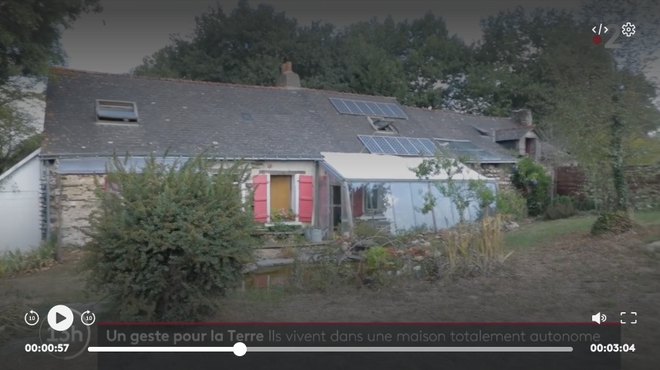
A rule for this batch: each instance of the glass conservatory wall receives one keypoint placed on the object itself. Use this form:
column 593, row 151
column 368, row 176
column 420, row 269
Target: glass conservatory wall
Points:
column 397, row 206
column 324, row 201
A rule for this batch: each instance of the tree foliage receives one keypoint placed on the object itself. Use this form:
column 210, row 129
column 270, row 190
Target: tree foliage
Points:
column 456, row 186
column 407, row 60
column 172, row 240
column 533, row 181
column 30, row 32
column 29, row 44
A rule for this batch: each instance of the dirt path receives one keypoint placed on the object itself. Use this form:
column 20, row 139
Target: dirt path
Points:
column 566, row 280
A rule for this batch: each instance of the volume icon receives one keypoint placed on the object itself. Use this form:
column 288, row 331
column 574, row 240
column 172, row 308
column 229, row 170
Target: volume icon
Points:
column 599, row 318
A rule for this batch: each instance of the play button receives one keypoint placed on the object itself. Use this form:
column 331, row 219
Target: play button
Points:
column 60, row 318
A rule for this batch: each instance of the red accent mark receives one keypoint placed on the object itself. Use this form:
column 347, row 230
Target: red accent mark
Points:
column 597, row 39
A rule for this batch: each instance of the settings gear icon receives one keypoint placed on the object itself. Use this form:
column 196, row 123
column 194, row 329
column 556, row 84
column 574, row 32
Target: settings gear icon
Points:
column 628, row 29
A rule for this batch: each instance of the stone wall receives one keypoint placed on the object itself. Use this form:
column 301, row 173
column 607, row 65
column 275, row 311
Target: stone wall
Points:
column 644, row 183
column 72, row 200
column 500, row 172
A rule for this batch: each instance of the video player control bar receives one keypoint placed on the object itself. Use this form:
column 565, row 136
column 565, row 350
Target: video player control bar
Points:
column 240, row 349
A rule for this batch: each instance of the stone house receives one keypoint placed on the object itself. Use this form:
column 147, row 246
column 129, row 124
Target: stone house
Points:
column 281, row 130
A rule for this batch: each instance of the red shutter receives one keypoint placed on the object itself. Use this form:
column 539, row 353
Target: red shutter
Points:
column 358, row 200
column 260, row 183
column 305, row 198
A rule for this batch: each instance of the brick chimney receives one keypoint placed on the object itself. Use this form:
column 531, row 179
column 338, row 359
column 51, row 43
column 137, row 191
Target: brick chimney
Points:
column 288, row 78
column 523, row 117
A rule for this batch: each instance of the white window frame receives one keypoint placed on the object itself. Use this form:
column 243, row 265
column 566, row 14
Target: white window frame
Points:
column 390, row 129
column 367, row 197
column 295, row 198
column 117, row 104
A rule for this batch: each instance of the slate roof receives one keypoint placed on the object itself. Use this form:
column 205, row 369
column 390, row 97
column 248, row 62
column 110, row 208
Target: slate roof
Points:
column 186, row 117
column 508, row 134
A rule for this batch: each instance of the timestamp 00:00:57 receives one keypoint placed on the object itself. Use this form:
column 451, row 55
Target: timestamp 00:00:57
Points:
column 612, row 347
column 52, row 348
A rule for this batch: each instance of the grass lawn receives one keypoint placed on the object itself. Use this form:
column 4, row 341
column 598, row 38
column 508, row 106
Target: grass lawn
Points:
column 541, row 232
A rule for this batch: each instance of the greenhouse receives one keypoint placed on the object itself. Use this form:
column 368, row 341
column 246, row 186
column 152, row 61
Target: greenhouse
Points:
column 383, row 190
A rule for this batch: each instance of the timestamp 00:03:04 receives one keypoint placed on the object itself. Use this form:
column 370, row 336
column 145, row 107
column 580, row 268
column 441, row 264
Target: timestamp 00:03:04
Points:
column 52, row 348
column 612, row 347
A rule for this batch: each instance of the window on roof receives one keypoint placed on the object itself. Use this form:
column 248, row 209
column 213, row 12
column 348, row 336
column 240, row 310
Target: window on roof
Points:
column 382, row 125
column 116, row 111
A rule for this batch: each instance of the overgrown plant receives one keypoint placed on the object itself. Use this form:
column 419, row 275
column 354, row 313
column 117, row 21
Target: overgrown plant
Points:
column 512, row 203
column 172, row 241
column 463, row 192
column 467, row 246
column 16, row 262
column 612, row 222
column 13, row 307
column 561, row 207
column 534, row 182
column 283, row 215
column 474, row 247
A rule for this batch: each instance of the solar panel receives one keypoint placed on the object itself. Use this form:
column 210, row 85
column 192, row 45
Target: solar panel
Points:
column 398, row 112
column 409, row 147
column 398, row 145
column 395, row 143
column 370, row 144
column 420, row 146
column 340, row 106
column 429, row 145
column 384, row 145
column 367, row 108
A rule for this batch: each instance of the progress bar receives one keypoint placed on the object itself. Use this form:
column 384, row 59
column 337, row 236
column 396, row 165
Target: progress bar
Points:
column 240, row 349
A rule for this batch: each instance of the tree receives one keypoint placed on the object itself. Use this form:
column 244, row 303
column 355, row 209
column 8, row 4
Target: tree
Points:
column 30, row 32
column 368, row 69
column 407, row 60
column 432, row 58
column 172, row 240
column 17, row 135
column 509, row 66
column 29, row 44
column 461, row 191
column 247, row 46
column 611, row 108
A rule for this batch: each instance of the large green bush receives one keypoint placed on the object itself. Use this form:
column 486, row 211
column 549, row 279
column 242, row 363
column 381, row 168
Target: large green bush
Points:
column 511, row 202
column 534, row 182
column 172, row 241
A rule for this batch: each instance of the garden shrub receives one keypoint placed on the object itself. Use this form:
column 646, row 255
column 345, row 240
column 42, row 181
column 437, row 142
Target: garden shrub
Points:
column 172, row 241
column 534, row 182
column 585, row 204
column 561, row 207
column 13, row 309
column 511, row 202
column 613, row 222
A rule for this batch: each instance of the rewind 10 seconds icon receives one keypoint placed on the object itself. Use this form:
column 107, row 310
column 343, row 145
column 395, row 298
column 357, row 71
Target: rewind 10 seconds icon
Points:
column 612, row 29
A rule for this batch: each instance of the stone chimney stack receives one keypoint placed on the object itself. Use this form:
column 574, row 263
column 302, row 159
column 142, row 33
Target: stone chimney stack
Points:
column 523, row 117
column 288, row 78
